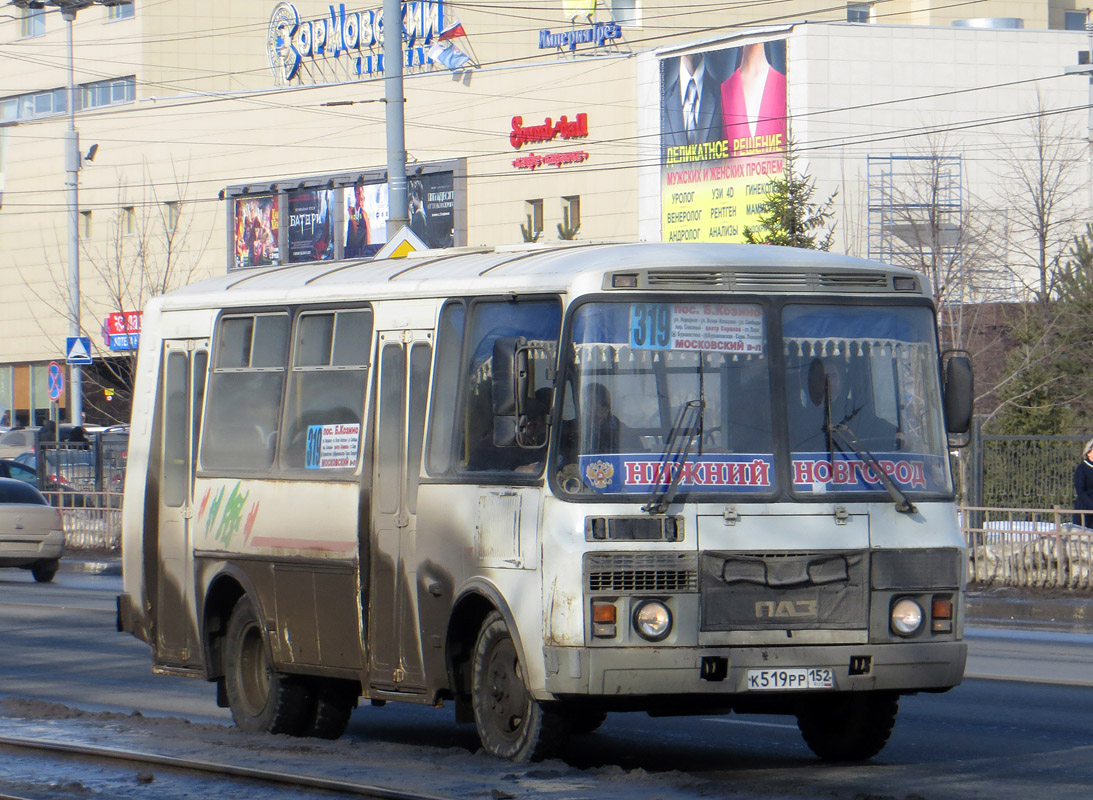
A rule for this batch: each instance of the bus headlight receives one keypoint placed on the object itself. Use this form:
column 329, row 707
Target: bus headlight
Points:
column 652, row 620
column 906, row 617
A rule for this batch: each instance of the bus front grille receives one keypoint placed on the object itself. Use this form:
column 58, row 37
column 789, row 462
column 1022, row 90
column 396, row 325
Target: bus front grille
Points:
column 626, row 573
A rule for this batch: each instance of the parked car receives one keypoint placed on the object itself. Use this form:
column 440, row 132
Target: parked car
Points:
column 32, row 532
column 9, row 468
column 69, row 471
column 16, row 441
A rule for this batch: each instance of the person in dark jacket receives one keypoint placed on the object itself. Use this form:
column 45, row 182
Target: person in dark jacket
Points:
column 1083, row 487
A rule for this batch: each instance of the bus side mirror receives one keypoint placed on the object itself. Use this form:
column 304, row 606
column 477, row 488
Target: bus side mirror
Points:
column 958, row 392
column 511, row 380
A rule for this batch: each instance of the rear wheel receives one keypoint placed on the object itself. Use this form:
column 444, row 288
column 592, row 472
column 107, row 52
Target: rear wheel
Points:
column 583, row 720
column 43, row 571
column 510, row 722
column 848, row 727
column 334, row 702
column 261, row 700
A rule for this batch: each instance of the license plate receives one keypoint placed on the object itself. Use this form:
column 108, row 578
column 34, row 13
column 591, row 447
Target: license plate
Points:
column 765, row 680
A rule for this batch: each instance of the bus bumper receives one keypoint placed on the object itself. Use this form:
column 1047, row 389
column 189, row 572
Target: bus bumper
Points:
column 619, row 672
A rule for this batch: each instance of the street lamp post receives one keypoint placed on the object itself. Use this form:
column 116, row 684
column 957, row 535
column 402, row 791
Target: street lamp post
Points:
column 398, row 214
column 69, row 9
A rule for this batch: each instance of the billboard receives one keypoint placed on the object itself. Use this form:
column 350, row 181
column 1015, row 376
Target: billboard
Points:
column 310, row 225
column 365, row 219
column 431, row 211
column 723, row 137
column 257, row 220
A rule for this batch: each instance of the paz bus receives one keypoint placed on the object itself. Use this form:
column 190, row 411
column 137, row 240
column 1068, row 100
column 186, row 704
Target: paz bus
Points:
column 545, row 484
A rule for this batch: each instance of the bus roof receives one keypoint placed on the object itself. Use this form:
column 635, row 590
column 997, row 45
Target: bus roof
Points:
column 555, row 268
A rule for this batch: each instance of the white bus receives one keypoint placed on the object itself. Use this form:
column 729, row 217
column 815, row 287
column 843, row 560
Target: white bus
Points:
column 550, row 483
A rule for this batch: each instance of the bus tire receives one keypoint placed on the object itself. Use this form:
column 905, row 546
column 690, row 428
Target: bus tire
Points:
column 583, row 720
column 848, row 727
column 261, row 700
column 334, row 703
column 511, row 723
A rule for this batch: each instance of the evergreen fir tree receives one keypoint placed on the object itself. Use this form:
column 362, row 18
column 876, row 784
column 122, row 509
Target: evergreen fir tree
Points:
column 789, row 216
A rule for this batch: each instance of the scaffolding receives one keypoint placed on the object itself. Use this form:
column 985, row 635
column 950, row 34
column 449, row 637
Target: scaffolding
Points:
column 916, row 211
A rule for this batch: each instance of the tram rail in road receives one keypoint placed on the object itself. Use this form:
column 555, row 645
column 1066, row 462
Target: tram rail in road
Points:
column 126, row 756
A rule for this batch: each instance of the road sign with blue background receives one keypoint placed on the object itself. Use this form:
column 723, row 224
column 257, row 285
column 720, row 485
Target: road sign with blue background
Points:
column 56, row 381
column 78, row 350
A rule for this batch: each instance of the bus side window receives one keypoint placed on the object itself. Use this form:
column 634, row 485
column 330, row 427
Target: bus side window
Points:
column 326, row 390
column 244, row 406
column 536, row 320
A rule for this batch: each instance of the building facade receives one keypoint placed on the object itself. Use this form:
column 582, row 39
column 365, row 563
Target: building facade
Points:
column 230, row 135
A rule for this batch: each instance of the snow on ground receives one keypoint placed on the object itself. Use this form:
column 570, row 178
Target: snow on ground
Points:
column 445, row 773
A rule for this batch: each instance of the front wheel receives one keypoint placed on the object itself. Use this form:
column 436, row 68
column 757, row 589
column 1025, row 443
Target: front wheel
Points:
column 848, row 727
column 261, row 700
column 510, row 722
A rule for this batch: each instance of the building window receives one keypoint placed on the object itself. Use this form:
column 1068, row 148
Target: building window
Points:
column 129, row 220
column 32, row 23
column 571, row 217
column 110, row 92
column 1074, row 20
column 626, row 12
column 533, row 210
column 171, row 214
column 859, row 12
column 119, row 12
column 85, row 224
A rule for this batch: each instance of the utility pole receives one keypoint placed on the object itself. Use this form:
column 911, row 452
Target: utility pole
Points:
column 398, row 215
column 73, row 159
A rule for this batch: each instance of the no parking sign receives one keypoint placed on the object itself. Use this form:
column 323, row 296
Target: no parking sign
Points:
column 56, row 381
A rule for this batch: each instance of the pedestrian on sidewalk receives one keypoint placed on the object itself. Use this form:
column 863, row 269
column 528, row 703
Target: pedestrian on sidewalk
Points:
column 1083, row 487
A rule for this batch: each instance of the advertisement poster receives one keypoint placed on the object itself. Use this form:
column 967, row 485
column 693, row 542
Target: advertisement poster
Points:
column 431, row 211
column 365, row 219
column 310, row 225
column 723, row 139
column 256, row 224
column 432, row 208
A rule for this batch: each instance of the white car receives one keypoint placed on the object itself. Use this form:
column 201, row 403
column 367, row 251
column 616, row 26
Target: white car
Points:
column 32, row 532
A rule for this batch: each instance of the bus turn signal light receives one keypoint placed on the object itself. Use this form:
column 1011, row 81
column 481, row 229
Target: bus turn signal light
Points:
column 941, row 615
column 604, row 616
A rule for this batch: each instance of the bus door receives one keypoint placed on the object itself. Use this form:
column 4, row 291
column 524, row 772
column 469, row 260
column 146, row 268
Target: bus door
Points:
column 394, row 634
column 185, row 365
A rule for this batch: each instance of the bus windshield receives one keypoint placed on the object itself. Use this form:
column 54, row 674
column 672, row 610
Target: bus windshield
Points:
column 635, row 370
column 686, row 392
column 863, row 379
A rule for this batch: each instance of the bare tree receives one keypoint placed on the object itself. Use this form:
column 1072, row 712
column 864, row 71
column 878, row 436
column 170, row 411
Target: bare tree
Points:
column 150, row 248
column 922, row 218
column 1039, row 173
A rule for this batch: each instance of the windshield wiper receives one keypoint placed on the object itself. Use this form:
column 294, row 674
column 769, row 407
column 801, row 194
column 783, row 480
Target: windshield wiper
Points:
column 676, row 449
column 847, row 438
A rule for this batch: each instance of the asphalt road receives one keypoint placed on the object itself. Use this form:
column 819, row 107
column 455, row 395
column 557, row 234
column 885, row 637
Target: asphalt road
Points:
column 1018, row 727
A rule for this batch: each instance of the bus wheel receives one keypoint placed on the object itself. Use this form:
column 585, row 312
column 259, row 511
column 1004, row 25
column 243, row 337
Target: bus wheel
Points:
column 849, row 727
column 260, row 699
column 582, row 720
column 510, row 722
column 334, row 703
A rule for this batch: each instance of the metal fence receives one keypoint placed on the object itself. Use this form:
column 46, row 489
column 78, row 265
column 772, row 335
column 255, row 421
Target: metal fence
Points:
column 1020, row 471
column 94, row 523
column 1027, row 547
